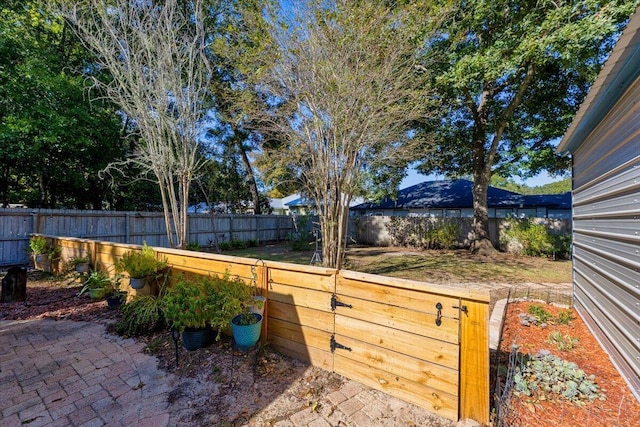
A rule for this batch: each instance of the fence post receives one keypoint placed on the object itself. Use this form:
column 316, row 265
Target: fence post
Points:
column 127, row 232
column 474, row 361
column 262, row 283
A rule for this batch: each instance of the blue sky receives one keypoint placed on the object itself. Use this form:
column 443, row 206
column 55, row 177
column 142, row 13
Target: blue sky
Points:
column 414, row 178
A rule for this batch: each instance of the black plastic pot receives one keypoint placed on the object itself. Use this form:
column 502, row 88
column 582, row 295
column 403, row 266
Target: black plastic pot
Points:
column 115, row 300
column 195, row 338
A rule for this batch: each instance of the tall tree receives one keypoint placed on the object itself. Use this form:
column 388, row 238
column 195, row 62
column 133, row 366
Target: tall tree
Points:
column 511, row 75
column 53, row 138
column 156, row 54
column 339, row 89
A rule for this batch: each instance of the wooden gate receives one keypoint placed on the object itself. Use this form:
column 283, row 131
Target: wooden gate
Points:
column 399, row 336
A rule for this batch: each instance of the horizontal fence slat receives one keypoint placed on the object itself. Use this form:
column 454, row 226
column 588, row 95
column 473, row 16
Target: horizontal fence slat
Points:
column 308, row 336
column 417, row 300
column 303, row 279
column 314, row 356
column 300, row 297
column 440, row 403
column 414, row 369
column 416, row 322
column 322, row 320
column 428, row 349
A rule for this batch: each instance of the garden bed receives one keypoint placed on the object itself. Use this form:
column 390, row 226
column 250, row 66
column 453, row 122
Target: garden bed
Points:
column 620, row 408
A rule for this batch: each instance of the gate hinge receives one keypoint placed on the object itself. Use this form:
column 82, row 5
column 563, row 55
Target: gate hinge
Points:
column 333, row 345
column 463, row 308
column 335, row 303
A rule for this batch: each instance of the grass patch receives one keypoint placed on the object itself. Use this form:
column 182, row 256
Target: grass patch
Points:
column 274, row 252
column 442, row 267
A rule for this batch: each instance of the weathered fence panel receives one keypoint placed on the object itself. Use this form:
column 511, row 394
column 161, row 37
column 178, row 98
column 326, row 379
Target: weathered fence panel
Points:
column 16, row 226
column 424, row 343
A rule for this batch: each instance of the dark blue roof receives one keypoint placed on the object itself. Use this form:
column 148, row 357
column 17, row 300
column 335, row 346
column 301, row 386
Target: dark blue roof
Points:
column 299, row 202
column 457, row 193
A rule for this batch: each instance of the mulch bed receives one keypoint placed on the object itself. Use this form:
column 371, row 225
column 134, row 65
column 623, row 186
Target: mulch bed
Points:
column 620, row 407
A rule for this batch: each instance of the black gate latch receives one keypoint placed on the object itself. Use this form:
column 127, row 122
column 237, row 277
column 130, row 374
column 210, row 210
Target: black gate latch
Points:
column 335, row 303
column 333, row 345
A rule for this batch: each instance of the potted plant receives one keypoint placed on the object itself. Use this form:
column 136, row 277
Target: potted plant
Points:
column 98, row 284
column 246, row 328
column 188, row 308
column 38, row 247
column 115, row 296
column 80, row 264
column 46, row 257
column 140, row 266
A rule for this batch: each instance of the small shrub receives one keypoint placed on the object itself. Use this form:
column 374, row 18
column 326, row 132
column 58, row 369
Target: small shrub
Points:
column 562, row 245
column 545, row 376
column 526, row 238
column 142, row 316
column 239, row 244
column 542, row 315
column 140, row 264
column 565, row 317
column 443, row 236
column 299, row 241
column 225, row 246
column 562, row 342
column 193, row 246
column 38, row 245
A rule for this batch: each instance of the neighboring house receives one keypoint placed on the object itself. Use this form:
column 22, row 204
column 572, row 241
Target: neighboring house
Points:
column 454, row 199
column 604, row 140
column 280, row 207
column 296, row 204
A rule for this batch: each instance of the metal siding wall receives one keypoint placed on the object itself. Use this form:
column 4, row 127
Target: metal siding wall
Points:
column 607, row 234
column 613, row 143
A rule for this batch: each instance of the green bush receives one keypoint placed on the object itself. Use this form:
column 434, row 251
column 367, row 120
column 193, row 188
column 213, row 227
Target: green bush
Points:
column 443, row 235
column 142, row 316
column 526, row 238
column 210, row 301
column 193, row 246
column 423, row 232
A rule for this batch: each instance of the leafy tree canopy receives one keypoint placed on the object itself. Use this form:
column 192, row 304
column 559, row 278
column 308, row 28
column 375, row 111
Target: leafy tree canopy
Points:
column 53, row 140
column 511, row 75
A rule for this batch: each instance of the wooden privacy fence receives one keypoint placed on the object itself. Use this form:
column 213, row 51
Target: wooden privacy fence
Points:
column 424, row 343
column 16, row 225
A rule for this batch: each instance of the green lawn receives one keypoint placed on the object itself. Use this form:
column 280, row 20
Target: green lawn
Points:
column 443, row 267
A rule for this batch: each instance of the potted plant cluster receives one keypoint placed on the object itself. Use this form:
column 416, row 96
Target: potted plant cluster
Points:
column 206, row 304
column 140, row 265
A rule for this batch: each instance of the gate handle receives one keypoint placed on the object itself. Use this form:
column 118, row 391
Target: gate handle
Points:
column 439, row 314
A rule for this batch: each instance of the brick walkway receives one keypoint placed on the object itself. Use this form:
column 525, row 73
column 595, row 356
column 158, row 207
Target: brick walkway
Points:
column 64, row 373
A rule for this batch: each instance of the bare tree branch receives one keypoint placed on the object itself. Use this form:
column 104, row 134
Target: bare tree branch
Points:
column 155, row 52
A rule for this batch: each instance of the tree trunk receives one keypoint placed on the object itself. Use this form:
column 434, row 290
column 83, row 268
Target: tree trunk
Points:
column 253, row 187
column 14, row 285
column 481, row 243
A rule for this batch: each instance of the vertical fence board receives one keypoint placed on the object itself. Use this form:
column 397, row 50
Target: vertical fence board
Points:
column 474, row 362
